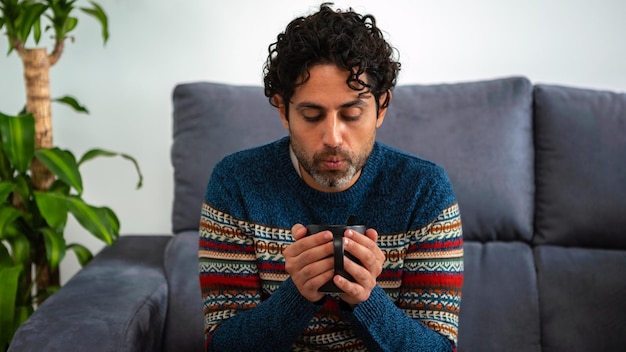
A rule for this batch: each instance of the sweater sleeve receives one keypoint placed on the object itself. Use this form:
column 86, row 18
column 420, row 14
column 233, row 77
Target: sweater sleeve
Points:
column 425, row 317
column 236, row 319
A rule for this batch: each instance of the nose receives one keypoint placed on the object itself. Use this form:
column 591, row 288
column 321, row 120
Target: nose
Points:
column 332, row 131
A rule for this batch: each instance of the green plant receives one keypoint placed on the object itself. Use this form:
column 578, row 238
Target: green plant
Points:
column 41, row 184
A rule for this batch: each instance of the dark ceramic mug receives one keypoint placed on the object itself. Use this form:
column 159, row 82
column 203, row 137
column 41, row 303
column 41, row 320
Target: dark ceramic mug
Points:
column 338, row 253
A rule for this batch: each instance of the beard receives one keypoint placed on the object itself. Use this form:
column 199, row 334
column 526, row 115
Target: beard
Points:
column 338, row 178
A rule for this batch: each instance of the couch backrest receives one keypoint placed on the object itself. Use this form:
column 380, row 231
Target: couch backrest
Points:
column 580, row 142
column 481, row 133
column 213, row 120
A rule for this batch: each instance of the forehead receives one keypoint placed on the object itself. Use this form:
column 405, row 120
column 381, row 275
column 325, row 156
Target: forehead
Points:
column 327, row 84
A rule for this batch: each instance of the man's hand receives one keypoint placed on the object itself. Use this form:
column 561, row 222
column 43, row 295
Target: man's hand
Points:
column 309, row 261
column 364, row 248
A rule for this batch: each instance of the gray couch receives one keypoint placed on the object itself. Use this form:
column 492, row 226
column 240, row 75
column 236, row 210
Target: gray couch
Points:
column 540, row 174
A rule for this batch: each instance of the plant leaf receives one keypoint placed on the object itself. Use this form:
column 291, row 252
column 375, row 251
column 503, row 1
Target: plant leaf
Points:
column 53, row 208
column 95, row 220
column 114, row 221
column 8, row 215
column 98, row 13
column 9, row 278
column 30, row 14
column 20, row 247
column 6, row 170
column 83, row 254
column 23, row 184
column 70, row 24
column 37, row 30
column 73, row 103
column 63, row 164
column 18, row 139
column 59, row 187
column 94, row 153
column 5, row 189
column 55, row 247
column 5, row 257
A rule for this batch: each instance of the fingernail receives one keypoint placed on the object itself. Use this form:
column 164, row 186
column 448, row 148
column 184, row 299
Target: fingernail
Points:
column 350, row 233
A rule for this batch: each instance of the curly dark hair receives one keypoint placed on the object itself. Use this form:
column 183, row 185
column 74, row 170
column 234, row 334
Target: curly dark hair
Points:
column 344, row 38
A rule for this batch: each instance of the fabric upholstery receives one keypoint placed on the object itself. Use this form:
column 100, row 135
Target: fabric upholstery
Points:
column 185, row 319
column 211, row 121
column 580, row 142
column 499, row 308
column 116, row 303
column 581, row 295
column 481, row 133
column 581, row 167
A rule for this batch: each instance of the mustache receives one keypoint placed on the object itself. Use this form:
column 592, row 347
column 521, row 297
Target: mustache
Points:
column 332, row 151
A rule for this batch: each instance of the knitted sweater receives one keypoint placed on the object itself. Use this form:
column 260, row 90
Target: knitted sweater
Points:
column 253, row 199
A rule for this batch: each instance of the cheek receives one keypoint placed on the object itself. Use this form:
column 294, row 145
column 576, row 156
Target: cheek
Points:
column 363, row 132
column 305, row 139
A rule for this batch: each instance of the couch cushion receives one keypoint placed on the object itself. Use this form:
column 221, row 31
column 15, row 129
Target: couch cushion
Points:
column 481, row 133
column 115, row 303
column 184, row 325
column 580, row 138
column 211, row 121
column 499, row 308
column 581, row 296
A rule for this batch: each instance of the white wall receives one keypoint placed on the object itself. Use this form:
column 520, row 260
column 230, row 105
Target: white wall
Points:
column 155, row 44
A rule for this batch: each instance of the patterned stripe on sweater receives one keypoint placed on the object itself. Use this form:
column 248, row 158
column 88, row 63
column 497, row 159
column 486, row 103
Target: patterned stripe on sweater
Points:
column 241, row 264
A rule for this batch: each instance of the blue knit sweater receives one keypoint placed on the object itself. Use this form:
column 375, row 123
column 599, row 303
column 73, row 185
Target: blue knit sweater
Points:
column 253, row 199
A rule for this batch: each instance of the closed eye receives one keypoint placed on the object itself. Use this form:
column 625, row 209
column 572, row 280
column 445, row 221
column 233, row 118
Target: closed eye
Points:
column 351, row 118
column 312, row 118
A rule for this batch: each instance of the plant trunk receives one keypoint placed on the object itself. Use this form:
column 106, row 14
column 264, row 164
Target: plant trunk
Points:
column 37, row 79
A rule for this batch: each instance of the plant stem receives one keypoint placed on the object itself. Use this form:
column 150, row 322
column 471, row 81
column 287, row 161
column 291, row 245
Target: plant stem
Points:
column 37, row 65
column 37, row 78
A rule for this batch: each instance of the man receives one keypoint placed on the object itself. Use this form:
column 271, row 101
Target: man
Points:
column 330, row 75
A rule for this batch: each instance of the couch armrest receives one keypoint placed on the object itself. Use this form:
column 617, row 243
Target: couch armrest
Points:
column 116, row 303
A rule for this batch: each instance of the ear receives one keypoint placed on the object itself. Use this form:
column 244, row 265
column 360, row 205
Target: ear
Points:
column 282, row 110
column 382, row 111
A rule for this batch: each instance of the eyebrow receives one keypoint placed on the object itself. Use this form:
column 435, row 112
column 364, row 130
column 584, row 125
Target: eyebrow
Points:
column 311, row 105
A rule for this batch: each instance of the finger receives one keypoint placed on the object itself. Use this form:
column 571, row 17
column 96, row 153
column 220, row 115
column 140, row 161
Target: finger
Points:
column 317, row 273
column 315, row 252
column 372, row 234
column 310, row 288
column 368, row 241
column 354, row 293
column 367, row 252
column 312, row 277
column 362, row 275
column 298, row 231
column 316, row 239
column 304, row 243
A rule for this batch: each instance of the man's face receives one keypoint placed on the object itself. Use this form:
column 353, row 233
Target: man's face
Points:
column 331, row 128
